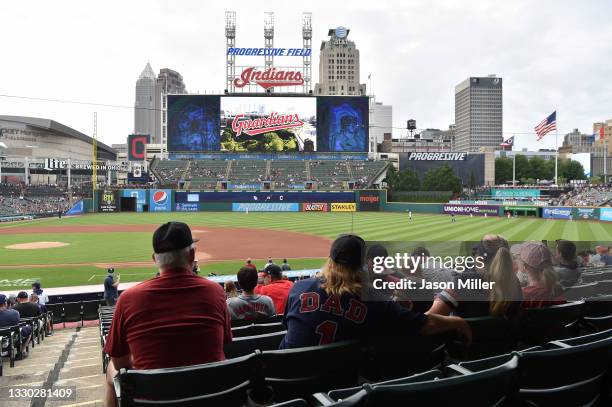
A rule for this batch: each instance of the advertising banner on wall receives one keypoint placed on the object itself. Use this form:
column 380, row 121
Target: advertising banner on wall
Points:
column 557, row 213
column 477, row 210
column 605, row 214
column 515, row 193
column 160, row 200
column 467, row 166
column 585, row 213
column 265, row 207
column 139, row 194
column 369, row 200
column 108, row 201
column 343, row 207
column 315, row 207
column 263, row 197
column 77, row 209
column 186, row 207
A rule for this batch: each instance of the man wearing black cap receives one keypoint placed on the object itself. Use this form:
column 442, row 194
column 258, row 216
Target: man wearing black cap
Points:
column 338, row 307
column 176, row 308
column 26, row 308
column 111, row 287
column 277, row 289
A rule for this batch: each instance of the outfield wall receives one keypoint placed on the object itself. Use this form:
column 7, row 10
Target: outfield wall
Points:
column 167, row 200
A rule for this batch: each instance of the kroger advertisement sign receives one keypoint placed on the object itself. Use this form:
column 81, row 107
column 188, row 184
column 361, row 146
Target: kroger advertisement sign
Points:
column 265, row 207
column 605, row 214
column 160, row 200
column 139, row 194
column 515, row 193
column 557, row 213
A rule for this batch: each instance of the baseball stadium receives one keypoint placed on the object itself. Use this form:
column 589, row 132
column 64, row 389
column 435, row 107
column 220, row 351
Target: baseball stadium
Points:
column 274, row 245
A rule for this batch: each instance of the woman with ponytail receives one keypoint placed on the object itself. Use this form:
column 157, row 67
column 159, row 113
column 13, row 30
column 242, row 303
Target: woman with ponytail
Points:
column 543, row 288
column 504, row 297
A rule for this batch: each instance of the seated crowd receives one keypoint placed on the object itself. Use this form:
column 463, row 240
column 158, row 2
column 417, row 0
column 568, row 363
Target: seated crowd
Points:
column 338, row 304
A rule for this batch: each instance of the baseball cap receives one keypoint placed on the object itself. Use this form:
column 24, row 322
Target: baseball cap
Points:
column 534, row 254
column 172, row 236
column 2, row 299
column 22, row 294
column 348, row 250
column 273, row 270
column 110, row 270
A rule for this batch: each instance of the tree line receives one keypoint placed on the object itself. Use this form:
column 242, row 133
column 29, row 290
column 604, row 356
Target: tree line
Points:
column 529, row 170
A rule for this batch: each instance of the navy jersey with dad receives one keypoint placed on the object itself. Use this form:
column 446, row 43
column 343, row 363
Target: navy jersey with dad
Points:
column 315, row 318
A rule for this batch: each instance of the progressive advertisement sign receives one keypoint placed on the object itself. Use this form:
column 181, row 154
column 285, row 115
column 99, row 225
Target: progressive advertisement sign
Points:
column 265, row 207
column 477, row 210
column 315, row 207
column 344, row 207
column 160, row 200
column 557, row 213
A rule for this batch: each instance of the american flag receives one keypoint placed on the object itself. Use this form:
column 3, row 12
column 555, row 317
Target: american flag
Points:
column 547, row 125
column 508, row 142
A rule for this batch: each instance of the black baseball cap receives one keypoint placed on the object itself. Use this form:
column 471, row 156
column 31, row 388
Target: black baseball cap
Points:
column 274, row 271
column 22, row 294
column 172, row 236
column 348, row 250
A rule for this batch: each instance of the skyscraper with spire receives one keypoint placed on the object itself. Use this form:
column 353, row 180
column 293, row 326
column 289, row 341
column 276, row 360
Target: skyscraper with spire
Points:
column 144, row 106
column 148, row 104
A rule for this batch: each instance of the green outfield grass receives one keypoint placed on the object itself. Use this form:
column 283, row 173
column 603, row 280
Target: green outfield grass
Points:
column 119, row 247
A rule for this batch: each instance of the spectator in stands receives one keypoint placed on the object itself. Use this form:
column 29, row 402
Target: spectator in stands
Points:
column 230, row 289
column 10, row 317
column 250, row 264
column 285, row 266
column 26, row 308
column 277, row 288
column 34, row 300
column 429, row 271
column 543, row 288
column 111, row 292
column 248, row 305
column 43, row 298
column 503, row 299
column 176, row 308
column 268, row 264
column 331, row 308
column 196, row 267
column 604, row 255
column 567, row 270
column 11, row 301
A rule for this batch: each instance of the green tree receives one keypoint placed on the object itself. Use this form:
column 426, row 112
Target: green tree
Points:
column 441, row 179
column 503, row 170
column 538, row 168
column 408, row 180
column 571, row 170
column 523, row 169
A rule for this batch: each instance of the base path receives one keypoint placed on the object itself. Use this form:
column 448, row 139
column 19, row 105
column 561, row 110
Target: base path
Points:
column 216, row 243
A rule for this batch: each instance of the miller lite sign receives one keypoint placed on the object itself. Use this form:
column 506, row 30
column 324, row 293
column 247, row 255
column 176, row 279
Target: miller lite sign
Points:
column 269, row 78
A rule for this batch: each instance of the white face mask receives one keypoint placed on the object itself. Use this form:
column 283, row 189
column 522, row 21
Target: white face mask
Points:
column 523, row 278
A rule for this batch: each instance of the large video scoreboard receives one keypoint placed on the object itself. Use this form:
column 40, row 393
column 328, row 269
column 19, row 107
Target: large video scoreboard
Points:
column 273, row 124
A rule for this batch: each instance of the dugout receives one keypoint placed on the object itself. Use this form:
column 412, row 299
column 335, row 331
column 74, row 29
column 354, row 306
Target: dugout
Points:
column 521, row 210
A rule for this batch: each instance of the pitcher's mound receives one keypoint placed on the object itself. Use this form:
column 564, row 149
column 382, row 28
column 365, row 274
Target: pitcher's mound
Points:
column 36, row 245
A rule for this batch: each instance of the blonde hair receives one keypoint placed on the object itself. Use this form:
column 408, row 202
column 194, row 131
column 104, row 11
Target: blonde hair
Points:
column 339, row 279
column 499, row 271
column 545, row 275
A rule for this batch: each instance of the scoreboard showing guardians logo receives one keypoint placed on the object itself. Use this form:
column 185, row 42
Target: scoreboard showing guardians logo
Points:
column 342, row 124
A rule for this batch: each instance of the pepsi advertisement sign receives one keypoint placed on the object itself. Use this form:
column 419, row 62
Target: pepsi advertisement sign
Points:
column 557, row 213
column 160, row 200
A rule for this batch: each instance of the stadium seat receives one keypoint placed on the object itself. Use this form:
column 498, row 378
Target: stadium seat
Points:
column 578, row 292
column 340, row 394
column 541, row 325
column 298, row 373
column 73, row 312
column 490, row 336
column 488, row 387
column 599, row 323
column 270, row 320
column 598, row 306
column 259, row 329
column 604, row 287
column 58, row 313
column 248, row 344
column 218, row 383
column 591, row 277
column 560, row 373
column 90, row 310
column 401, row 356
column 11, row 342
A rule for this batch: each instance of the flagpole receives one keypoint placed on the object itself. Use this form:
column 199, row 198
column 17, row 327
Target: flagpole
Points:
column 513, row 169
column 556, row 150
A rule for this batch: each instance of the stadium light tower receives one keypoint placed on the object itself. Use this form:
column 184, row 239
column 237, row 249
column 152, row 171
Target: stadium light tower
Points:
column 230, row 42
column 307, row 44
column 269, row 37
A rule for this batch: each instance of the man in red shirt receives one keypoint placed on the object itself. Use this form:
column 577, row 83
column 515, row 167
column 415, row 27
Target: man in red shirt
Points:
column 277, row 289
column 178, row 307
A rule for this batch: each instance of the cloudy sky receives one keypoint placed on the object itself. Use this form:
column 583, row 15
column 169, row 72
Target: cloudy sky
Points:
column 550, row 54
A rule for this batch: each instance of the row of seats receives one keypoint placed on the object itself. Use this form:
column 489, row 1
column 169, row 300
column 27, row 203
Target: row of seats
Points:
column 594, row 287
column 12, row 337
column 78, row 311
column 257, row 369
